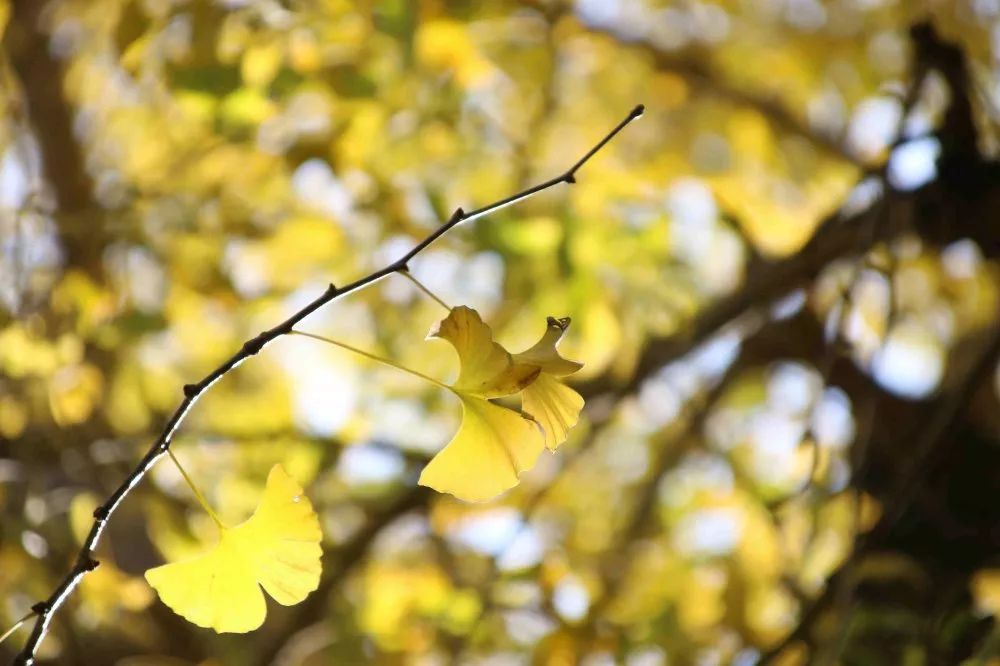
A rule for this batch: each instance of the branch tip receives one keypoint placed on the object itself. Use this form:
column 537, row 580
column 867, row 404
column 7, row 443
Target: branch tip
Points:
column 637, row 111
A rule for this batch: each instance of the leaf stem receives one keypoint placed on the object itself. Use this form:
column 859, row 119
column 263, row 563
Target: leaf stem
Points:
column 420, row 285
column 371, row 356
column 17, row 625
column 194, row 489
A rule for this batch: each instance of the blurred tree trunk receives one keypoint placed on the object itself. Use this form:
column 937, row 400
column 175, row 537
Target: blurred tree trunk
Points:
column 49, row 115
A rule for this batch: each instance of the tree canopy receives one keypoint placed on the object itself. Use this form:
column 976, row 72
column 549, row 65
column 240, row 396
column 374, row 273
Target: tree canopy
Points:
column 770, row 432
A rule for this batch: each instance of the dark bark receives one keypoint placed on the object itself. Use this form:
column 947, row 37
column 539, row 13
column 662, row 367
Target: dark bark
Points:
column 50, row 117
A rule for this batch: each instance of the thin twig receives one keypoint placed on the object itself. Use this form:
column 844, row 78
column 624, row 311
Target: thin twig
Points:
column 373, row 357
column 420, row 285
column 16, row 626
column 85, row 561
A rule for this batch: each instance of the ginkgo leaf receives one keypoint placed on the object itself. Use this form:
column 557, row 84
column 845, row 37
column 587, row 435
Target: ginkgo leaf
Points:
column 554, row 405
column 494, row 444
column 544, row 353
column 487, row 369
column 488, row 453
column 277, row 548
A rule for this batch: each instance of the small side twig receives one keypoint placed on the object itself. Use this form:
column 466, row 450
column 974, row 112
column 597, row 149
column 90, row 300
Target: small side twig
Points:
column 85, row 561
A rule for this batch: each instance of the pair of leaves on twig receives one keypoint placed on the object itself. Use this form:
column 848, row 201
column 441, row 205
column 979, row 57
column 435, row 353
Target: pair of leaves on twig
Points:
column 495, row 444
column 278, row 547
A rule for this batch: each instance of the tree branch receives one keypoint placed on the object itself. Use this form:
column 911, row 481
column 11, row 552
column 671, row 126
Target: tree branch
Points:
column 926, row 435
column 837, row 237
column 85, row 561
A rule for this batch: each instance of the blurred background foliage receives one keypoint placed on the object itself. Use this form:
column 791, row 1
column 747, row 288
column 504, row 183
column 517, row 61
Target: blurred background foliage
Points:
column 783, row 284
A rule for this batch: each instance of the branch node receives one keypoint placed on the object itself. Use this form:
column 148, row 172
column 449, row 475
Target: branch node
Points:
column 90, row 564
column 40, row 608
column 570, row 177
column 458, row 214
column 331, row 288
column 254, row 345
column 101, row 513
column 190, row 391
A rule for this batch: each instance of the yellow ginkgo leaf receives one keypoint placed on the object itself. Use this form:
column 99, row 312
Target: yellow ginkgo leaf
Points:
column 488, row 453
column 554, row 405
column 277, row 548
column 487, row 369
column 494, row 444
column 544, row 353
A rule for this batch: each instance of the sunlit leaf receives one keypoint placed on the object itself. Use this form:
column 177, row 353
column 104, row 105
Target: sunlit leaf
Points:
column 277, row 548
column 494, row 444
column 554, row 405
column 488, row 453
column 487, row 371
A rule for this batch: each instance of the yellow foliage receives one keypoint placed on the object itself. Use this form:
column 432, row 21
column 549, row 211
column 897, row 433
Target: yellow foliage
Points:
column 261, row 62
column 74, row 392
column 778, row 215
column 81, row 515
column 396, row 593
column 106, row 591
column 364, row 134
column 13, row 417
column 77, row 295
column 125, row 406
column 494, row 443
column 246, row 107
column 304, row 53
column 701, row 603
column 770, row 612
column 193, row 120
column 23, row 354
column 986, row 591
column 536, row 236
column 759, row 551
column 445, row 44
column 277, row 548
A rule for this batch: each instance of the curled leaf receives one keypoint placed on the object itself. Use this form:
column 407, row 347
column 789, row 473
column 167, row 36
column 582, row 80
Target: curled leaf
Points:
column 544, row 353
column 277, row 548
column 554, row 405
column 487, row 369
